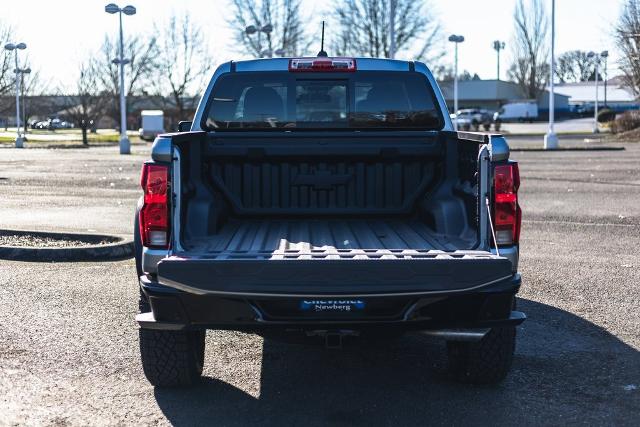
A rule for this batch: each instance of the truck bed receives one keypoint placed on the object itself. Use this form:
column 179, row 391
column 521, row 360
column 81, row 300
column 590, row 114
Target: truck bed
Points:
column 321, row 238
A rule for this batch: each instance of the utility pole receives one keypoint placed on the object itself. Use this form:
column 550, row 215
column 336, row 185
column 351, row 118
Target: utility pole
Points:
column 457, row 40
column 125, row 145
column 16, row 47
column 498, row 46
column 596, row 61
column 267, row 29
column 605, row 54
column 392, row 29
column 551, row 139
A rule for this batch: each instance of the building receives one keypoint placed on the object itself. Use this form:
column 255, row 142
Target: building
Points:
column 493, row 94
column 582, row 95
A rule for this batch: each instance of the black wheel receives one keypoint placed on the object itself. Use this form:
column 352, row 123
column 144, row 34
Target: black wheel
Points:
column 172, row 358
column 484, row 362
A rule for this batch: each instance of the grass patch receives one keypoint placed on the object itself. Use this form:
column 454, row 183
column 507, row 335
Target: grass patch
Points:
column 94, row 141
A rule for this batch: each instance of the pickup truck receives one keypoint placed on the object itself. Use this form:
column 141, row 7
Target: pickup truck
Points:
column 327, row 197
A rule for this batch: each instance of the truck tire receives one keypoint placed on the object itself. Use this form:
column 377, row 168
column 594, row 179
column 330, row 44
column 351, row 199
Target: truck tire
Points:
column 484, row 362
column 172, row 358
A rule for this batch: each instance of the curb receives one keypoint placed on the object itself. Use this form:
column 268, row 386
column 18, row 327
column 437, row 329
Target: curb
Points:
column 121, row 247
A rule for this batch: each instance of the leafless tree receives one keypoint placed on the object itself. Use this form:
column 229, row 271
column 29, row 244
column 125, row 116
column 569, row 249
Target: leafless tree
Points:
column 33, row 90
column 7, row 77
column 445, row 73
column 574, row 66
column 142, row 54
column 183, row 66
column 363, row 29
column 530, row 69
column 88, row 102
column 627, row 36
column 284, row 16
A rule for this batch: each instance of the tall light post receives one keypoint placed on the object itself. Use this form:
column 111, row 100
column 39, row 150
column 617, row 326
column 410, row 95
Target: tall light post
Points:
column 111, row 8
column 22, row 72
column 596, row 61
column 17, row 47
column 605, row 54
column 455, row 39
column 550, row 138
column 392, row 29
column 498, row 46
column 258, row 29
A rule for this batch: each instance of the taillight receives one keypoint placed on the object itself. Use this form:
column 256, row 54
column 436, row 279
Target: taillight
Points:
column 154, row 215
column 322, row 64
column 507, row 215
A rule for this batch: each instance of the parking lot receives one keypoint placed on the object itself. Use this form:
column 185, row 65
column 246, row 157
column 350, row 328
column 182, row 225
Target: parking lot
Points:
column 69, row 349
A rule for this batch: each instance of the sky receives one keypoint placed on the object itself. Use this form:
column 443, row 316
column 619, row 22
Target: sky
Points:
column 60, row 34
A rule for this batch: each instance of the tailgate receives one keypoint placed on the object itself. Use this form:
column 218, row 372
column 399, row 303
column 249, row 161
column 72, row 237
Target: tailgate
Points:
column 341, row 272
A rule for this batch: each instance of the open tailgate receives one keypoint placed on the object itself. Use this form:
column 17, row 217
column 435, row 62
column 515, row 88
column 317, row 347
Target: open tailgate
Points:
column 342, row 272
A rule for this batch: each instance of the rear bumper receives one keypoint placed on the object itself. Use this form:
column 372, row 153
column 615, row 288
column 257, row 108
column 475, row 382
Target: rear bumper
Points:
column 485, row 307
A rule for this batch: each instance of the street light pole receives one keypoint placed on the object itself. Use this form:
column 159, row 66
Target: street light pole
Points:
column 498, row 46
column 605, row 55
column 392, row 29
column 596, row 60
column 455, row 39
column 125, row 145
column 267, row 29
column 19, row 139
column 16, row 47
column 595, row 109
column 24, row 71
column 550, row 138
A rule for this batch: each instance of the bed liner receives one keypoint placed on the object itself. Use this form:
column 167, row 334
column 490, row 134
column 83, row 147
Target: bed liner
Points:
column 272, row 238
column 325, row 256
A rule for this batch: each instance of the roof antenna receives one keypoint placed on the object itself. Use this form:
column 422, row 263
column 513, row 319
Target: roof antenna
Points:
column 322, row 53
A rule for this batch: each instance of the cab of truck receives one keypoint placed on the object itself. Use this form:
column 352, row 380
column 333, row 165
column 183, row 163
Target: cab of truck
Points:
column 328, row 197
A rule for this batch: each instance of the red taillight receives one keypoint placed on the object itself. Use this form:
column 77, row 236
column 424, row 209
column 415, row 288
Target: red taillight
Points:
column 507, row 215
column 322, row 64
column 154, row 215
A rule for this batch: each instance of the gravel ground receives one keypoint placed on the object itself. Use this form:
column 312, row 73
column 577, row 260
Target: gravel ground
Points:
column 44, row 242
column 68, row 342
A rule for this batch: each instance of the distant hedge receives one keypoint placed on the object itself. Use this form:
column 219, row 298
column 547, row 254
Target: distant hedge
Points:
column 606, row 116
column 626, row 121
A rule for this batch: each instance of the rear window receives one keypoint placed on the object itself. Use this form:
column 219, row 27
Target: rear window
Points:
column 289, row 101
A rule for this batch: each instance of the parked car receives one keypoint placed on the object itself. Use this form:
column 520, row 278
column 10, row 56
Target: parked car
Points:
column 52, row 124
column 288, row 208
column 472, row 119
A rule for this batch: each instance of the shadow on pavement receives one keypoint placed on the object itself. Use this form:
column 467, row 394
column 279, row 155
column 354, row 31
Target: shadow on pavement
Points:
column 566, row 370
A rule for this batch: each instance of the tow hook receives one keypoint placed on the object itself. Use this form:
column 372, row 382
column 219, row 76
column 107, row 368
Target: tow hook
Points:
column 333, row 339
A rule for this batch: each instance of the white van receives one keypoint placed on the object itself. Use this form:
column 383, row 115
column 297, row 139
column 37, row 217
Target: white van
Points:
column 518, row 112
column 152, row 124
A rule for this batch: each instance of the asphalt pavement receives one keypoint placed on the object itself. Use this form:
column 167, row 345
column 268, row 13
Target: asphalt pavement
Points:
column 570, row 126
column 69, row 348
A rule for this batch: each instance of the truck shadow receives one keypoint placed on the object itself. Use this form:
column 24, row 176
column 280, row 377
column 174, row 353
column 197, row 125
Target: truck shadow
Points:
column 565, row 367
